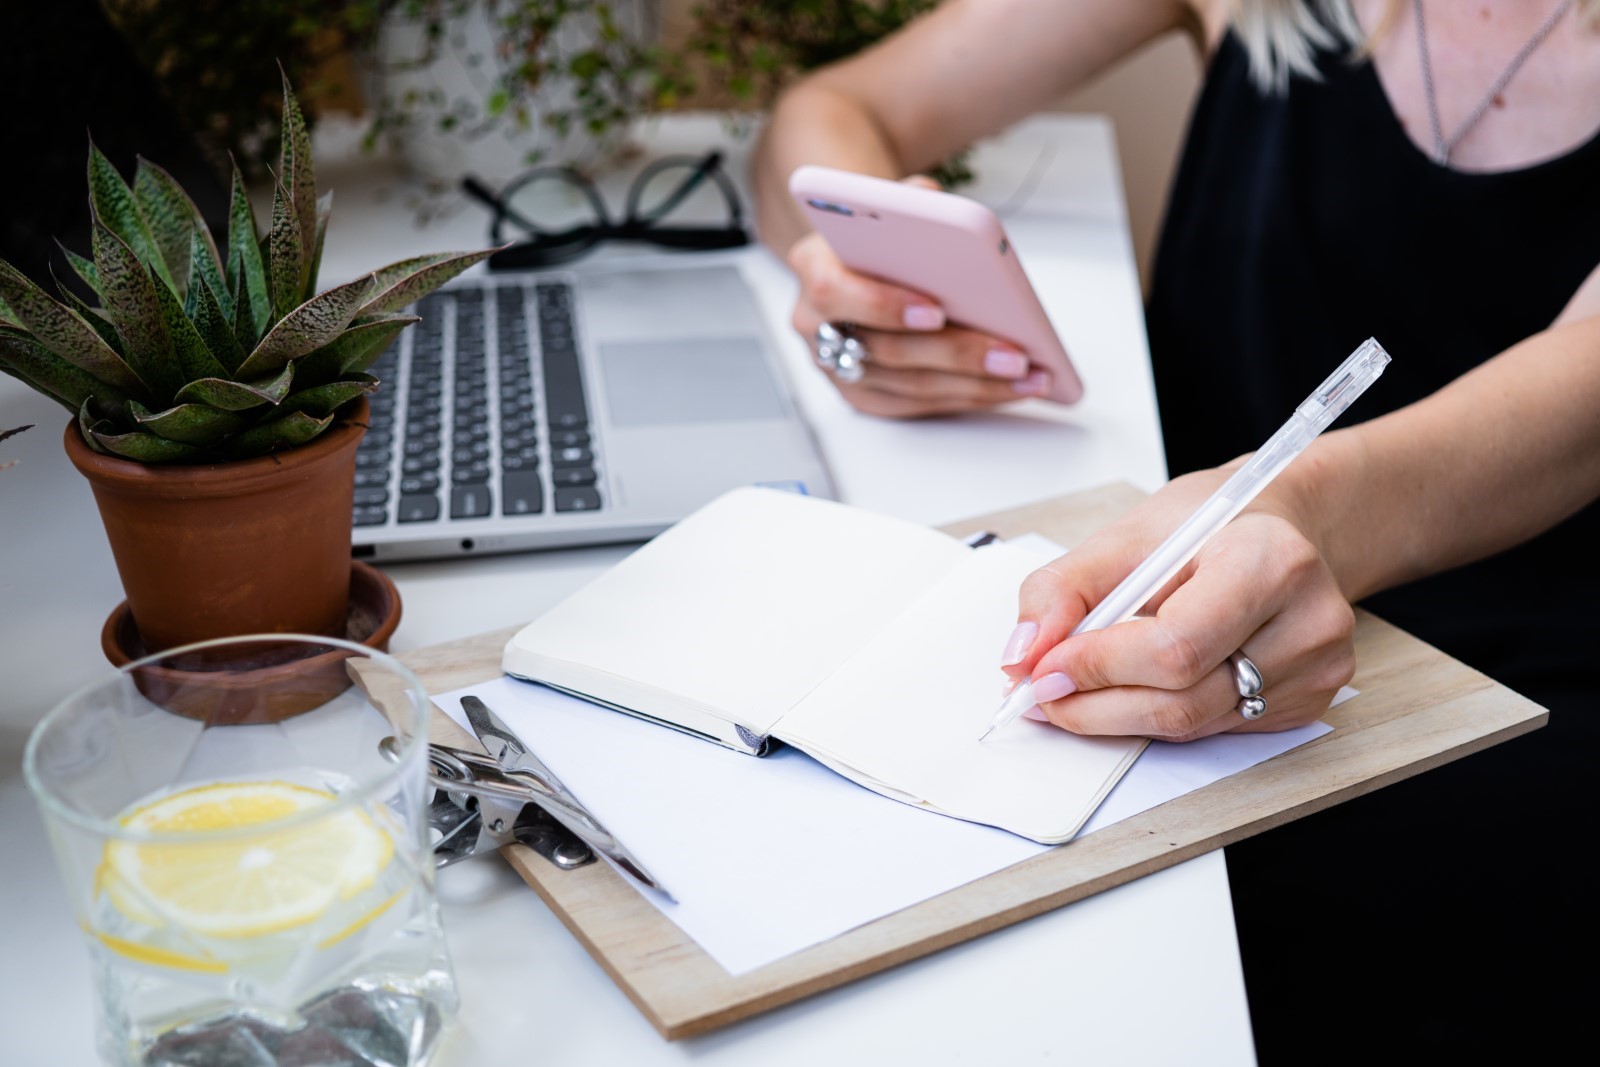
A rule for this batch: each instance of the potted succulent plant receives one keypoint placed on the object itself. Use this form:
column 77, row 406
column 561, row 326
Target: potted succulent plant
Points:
column 217, row 397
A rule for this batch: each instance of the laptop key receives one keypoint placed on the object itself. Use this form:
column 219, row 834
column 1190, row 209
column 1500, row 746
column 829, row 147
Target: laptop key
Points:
column 418, row 507
column 521, row 493
column 572, row 476
column 419, row 483
column 572, row 457
column 585, row 498
column 371, row 495
column 469, row 502
column 421, row 446
column 372, row 516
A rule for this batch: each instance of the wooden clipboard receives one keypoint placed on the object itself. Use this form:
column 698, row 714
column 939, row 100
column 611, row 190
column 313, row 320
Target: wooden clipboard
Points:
column 1417, row 709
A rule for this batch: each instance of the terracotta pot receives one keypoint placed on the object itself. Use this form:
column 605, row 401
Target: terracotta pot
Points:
column 276, row 682
column 221, row 549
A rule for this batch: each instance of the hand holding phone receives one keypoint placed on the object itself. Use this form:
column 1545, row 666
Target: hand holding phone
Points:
column 954, row 252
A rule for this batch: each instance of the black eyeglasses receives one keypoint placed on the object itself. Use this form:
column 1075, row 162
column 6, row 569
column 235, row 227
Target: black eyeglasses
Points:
column 562, row 215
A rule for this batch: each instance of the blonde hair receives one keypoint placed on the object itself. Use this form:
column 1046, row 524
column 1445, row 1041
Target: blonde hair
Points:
column 1282, row 37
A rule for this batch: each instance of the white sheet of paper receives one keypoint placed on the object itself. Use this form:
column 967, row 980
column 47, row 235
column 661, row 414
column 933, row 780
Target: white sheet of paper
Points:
column 769, row 856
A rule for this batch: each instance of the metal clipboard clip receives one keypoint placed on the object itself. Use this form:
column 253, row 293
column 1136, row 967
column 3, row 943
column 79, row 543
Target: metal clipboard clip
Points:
column 483, row 802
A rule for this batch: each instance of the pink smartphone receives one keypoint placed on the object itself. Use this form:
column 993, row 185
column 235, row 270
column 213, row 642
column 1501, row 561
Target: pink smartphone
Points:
column 947, row 246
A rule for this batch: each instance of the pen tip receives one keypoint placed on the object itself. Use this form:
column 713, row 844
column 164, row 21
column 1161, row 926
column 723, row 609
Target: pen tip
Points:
column 986, row 733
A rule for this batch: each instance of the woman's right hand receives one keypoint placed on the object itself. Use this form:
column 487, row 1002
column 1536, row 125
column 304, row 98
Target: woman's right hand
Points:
column 917, row 364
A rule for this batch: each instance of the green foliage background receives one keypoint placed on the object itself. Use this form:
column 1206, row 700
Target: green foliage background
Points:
column 217, row 60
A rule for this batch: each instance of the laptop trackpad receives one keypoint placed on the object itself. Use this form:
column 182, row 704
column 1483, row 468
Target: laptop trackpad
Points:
column 714, row 379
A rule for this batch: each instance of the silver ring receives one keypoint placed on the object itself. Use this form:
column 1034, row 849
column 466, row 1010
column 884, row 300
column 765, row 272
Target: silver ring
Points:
column 840, row 352
column 1247, row 679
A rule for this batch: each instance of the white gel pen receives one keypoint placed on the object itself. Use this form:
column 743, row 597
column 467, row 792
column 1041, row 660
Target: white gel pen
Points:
column 1328, row 402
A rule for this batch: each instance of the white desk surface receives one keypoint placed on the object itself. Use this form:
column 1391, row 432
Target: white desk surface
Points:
column 1144, row 974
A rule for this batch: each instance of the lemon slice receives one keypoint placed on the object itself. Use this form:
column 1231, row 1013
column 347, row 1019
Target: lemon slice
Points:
column 245, row 884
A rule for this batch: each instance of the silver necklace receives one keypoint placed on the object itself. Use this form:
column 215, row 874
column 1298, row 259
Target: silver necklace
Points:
column 1441, row 146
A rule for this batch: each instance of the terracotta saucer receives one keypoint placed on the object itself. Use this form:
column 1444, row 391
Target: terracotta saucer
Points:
column 278, row 681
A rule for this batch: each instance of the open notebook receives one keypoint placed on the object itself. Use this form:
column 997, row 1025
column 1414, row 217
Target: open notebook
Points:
column 869, row 642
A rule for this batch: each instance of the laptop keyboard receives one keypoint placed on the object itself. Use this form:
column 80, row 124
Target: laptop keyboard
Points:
column 482, row 412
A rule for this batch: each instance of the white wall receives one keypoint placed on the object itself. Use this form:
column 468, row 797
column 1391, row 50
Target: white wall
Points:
column 1148, row 99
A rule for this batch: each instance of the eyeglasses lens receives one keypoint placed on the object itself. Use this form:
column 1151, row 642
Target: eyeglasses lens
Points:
column 671, row 195
column 549, row 202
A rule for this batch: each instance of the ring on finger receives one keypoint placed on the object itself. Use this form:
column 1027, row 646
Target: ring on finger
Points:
column 1248, row 681
column 840, row 352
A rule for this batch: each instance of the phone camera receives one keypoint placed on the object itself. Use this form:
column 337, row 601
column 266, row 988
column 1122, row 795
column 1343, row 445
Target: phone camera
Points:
column 828, row 205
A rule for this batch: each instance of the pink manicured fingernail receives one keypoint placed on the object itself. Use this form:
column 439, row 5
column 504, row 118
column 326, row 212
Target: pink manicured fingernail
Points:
column 1035, row 384
column 924, row 317
column 1004, row 364
column 1053, row 686
column 1018, row 643
column 1036, row 713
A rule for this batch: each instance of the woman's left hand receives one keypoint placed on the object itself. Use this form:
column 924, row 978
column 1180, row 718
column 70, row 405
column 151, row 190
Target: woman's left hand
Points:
column 1259, row 586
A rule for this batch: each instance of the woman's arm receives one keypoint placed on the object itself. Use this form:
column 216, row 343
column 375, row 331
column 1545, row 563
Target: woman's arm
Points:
column 1491, row 460
column 1502, row 453
column 963, row 71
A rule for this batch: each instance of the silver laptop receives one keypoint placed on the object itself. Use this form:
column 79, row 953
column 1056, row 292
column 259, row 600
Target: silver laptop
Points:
column 547, row 410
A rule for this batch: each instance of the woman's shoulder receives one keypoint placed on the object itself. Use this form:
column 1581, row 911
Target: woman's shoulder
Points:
column 1211, row 20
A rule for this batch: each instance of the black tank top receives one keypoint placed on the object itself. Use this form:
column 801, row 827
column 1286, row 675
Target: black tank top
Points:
column 1301, row 224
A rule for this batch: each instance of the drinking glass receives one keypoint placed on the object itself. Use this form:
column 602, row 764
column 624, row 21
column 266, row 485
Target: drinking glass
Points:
column 249, row 860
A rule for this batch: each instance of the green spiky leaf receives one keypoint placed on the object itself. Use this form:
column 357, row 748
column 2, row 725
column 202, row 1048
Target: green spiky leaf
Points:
column 230, row 395
column 83, row 268
column 116, row 209
column 245, row 267
column 410, row 280
column 95, row 317
column 293, row 429
column 130, row 298
column 194, row 358
column 212, row 323
column 205, row 268
column 286, row 259
column 324, row 212
column 326, row 399
column 299, row 177
column 354, row 350
column 7, row 315
column 173, row 218
column 307, row 328
column 63, row 331
column 244, row 323
column 193, row 424
column 88, row 422
column 32, row 362
column 146, row 447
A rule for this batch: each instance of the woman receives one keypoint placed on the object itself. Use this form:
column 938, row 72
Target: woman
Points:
column 1414, row 170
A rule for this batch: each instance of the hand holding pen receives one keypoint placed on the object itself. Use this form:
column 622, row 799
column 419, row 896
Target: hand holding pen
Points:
column 1215, row 585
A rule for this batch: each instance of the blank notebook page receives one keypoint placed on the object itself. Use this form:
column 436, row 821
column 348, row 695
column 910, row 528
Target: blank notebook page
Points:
column 746, row 605
column 908, row 710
